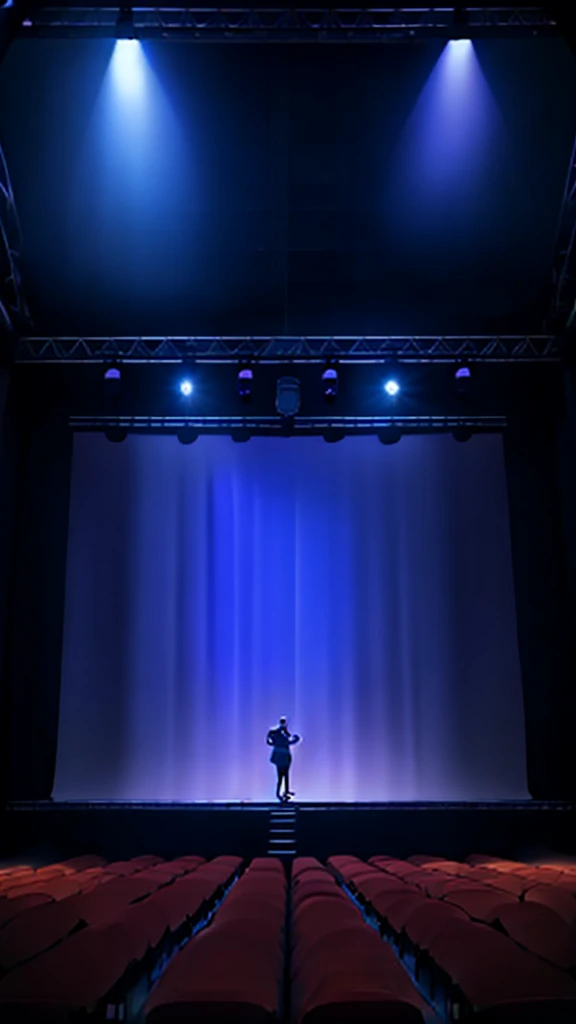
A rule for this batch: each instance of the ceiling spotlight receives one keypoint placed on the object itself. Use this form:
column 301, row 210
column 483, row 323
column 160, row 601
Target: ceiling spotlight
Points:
column 330, row 381
column 187, row 435
column 186, row 387
column 115, row 434
column 112, row 380
column 462, row 434
column 392, row 387
column 240, row 435
column 125, row 24
column 463, row 379
column 245, row 380
column 288, row 396
column 389, row 435
column 332, row 436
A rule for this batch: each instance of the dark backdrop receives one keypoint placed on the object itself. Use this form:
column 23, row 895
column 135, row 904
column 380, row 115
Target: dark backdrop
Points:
column 314, row 189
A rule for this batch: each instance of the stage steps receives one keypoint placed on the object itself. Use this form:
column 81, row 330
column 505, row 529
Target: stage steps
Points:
column 282, row 831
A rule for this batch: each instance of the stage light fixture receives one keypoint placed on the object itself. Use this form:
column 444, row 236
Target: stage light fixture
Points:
column 288, row 396
column 245, row 380
column 186, row 387
column 125, row 24
column 392, row 387
column 187, row 435
column 463, row 379
column 389, row 435
column 332, row 436
column 240, row 435
column 330, row 381
column 462, row 434
column 112, row 380
column 116, row 434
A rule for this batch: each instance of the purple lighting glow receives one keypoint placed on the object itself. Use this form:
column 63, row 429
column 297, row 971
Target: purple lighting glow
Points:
column 444, row 155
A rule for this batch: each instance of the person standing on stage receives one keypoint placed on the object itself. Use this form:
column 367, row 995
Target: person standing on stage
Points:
column 279, row 737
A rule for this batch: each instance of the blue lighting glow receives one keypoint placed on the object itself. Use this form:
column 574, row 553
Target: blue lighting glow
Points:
column 392, row 388
column 128, row 70
column 444, row 159
column 186, row 388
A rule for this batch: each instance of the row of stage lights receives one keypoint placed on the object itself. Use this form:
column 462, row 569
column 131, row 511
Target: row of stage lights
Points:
column 287, row 400
column 288, row 388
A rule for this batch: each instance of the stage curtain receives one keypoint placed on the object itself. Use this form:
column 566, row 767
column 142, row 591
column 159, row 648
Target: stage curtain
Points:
column 539, row 459
column 364, row 591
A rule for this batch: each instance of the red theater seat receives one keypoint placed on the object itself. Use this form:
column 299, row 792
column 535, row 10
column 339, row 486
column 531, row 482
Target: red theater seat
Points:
column 556, row 899
column 493, row 973
column 35, row 931
column 11, row 909
column 422, row 924
column 542, row 931
column 481, row 906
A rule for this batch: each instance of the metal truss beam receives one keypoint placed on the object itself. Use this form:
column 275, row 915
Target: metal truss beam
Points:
column 299, row 424
column 563, row 307
column 13, row 309
column 501, row 349
column 248, row 24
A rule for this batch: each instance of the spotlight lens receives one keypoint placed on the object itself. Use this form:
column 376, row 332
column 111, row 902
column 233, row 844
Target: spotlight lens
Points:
column 112, row 374
column 391, row 388
column 186, row 388
column 463, row 373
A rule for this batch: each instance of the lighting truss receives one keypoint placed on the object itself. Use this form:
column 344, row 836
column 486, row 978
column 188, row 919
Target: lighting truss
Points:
column 384, row 24
column 222, row 349
column 299, row 424
column 563, row 308
column 13, row 309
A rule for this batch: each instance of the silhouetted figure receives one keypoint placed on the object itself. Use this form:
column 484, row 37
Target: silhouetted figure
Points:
column 280, row 738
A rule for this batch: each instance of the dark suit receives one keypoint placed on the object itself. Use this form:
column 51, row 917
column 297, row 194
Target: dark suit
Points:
column 280, row 739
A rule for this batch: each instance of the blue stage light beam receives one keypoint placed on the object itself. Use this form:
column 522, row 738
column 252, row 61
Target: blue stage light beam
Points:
column 128, row 70
column 445, row 156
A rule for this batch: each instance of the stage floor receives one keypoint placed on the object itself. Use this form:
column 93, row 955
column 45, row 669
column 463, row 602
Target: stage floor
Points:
column 175, row 805
column 527, row 829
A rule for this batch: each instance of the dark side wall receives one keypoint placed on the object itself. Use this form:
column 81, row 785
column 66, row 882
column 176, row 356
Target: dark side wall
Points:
column 36, row 467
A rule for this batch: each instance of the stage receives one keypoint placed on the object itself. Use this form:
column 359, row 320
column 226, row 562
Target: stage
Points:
column 114, row 829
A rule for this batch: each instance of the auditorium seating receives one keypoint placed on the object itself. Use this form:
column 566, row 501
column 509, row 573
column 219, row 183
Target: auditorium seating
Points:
column 232, row 970
column 341, row 970
column 476, row 946
column 93, row 958
column 387, row 940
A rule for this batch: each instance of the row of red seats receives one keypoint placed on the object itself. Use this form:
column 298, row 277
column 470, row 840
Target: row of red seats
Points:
column 41, row 927
column 125, row 926
column 478, row 944
column 22, row 888
column 341, row 969
column 233, row 969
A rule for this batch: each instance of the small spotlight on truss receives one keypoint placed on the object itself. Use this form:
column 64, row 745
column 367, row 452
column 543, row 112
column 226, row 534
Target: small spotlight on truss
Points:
column 389, row 435
column 462, row 434
column 288, row 396
column 332, row 435
column 186, row 387
column 240, row 435
column 330, row 381
column 392, row 387
column 116, row 434
column 245, row 381
column 463, row 379
column 112, row 379
column 187, row 435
